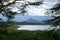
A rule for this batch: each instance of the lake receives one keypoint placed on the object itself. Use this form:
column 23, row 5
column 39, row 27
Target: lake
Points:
column 34, row 27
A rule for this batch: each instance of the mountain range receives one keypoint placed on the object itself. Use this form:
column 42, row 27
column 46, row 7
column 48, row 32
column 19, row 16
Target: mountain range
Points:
column 32, row 19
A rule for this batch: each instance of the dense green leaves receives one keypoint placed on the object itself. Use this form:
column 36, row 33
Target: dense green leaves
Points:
column 4, row 27
column 31, row 35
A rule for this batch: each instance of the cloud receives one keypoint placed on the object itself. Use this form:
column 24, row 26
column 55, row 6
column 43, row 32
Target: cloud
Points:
column 33, row 11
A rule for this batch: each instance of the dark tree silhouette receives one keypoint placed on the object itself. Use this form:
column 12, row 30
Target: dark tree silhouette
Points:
column 55, row 12
column 5, row 9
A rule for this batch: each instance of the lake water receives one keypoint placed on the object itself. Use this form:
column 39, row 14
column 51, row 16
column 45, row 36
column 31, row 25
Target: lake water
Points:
column 34, row 27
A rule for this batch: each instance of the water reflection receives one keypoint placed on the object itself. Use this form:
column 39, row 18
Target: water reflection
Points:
column 33, row 27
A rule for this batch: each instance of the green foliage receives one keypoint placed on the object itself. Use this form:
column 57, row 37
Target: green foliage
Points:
column 7, row 28
column 31, row 35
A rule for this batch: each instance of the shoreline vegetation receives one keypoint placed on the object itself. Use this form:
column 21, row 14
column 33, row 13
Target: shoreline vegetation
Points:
column 25, row 23
column 12, row 34
column 30, row 35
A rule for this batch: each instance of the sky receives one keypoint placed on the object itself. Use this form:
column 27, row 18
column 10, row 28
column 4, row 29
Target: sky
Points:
column 42, row 9
column 34, row 11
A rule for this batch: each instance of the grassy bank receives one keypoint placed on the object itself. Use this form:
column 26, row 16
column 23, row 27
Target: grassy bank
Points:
column 30, row 35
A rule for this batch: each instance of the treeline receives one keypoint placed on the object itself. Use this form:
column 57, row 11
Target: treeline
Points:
column 24, row 23
column 30, row 35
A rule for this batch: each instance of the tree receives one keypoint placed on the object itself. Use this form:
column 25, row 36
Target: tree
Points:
column 55, row 12
column 6, row 10
column 55, row 22
column 6, row 7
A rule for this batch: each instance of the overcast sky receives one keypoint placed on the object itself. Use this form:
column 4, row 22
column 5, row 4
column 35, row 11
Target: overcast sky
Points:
column 42, row 8
column 34, row 11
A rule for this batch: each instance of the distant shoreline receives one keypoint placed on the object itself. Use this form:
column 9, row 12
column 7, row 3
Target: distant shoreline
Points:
column 24, row 23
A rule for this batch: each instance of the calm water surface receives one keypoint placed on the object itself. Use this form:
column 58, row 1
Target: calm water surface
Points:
column 33, row 27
